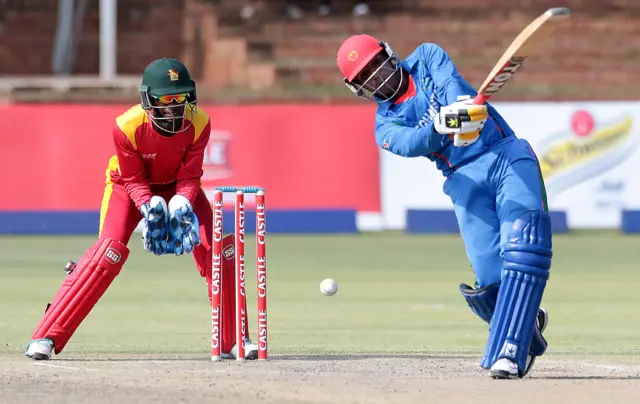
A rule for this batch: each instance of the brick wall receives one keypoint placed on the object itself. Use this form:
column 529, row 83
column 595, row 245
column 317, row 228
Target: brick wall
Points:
column 594, row 55
column 147, row 29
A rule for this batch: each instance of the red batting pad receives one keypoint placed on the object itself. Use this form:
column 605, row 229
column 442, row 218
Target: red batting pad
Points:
column 228, row 297
column 81, row 291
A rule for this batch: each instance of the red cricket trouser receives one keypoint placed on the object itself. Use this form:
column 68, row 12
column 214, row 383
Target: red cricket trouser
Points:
column 119, row 218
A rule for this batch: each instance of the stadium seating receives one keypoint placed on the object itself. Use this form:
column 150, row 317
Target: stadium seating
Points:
column 297, row 58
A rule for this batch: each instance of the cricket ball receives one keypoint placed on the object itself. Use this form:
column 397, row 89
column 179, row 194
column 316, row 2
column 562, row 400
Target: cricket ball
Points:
column 328, row 287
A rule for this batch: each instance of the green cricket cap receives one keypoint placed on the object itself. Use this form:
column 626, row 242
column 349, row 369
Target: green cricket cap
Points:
column 167, row 76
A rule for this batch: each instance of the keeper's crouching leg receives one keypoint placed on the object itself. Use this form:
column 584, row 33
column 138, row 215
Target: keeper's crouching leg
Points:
column 80, row 292
column 527, row 261
column 228, row 300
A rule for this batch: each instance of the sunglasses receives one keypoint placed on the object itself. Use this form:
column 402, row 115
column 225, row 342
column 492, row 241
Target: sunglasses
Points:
column 168, row 99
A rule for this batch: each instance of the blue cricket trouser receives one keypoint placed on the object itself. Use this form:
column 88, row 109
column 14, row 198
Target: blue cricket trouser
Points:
column 489, row 194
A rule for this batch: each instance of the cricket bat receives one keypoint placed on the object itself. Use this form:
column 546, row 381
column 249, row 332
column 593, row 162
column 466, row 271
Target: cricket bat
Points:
column 519, row 50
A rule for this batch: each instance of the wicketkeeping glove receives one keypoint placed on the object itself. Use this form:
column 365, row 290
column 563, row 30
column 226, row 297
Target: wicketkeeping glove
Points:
column 184, row 227
column 156, row 225
column 462, row 119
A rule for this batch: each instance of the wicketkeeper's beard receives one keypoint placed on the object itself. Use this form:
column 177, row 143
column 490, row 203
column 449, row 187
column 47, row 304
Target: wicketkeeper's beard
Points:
column 171, row 126
column 169, row 119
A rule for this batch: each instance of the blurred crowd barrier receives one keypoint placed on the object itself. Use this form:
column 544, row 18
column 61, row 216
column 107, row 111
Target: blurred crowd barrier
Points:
column 283, row 120
column 320, row 166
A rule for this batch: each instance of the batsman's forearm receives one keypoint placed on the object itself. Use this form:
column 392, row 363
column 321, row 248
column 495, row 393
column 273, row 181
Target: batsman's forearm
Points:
column 407, row 141
column 456, row 87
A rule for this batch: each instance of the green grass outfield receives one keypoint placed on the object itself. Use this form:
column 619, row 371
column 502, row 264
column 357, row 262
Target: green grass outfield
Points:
column 397, row 294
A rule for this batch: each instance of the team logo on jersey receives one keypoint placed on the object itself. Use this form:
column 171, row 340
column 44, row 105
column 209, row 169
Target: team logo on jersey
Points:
column 173, row 75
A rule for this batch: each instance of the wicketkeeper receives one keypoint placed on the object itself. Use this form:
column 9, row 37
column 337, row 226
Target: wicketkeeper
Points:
column 155, row 175
column 425, row 109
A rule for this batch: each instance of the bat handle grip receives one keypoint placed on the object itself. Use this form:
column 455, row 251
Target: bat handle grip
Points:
column 480, row 99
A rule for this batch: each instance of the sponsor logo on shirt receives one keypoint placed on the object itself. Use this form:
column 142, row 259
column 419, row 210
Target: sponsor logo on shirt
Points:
column 431, row 113
column 149, row 156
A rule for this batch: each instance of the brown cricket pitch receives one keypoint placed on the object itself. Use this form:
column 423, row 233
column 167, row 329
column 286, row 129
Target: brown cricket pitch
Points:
column 313, row 379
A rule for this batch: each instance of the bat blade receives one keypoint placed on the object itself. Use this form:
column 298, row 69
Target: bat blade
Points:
column 520, row 49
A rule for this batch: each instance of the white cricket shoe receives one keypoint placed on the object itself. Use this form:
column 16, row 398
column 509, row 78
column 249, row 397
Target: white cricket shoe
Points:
column 504, row 369
column 39, row 349
column 250, row 351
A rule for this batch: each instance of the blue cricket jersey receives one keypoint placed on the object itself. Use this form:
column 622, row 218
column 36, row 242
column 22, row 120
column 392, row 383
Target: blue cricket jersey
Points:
column 407, row 128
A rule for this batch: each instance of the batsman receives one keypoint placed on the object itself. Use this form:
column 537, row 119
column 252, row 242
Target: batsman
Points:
column 425, row 110
column 155, row 177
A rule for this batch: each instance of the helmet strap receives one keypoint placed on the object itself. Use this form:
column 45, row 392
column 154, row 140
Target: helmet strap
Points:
column 144, row 98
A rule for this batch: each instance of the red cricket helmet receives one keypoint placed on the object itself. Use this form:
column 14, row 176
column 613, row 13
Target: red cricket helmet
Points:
column 356, row 53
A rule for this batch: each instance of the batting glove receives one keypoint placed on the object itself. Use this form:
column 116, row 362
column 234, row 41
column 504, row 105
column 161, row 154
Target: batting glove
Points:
column 463, row 120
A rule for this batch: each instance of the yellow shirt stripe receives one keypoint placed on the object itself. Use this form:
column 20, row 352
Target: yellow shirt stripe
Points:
column 130, row 121
column 199, row 122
